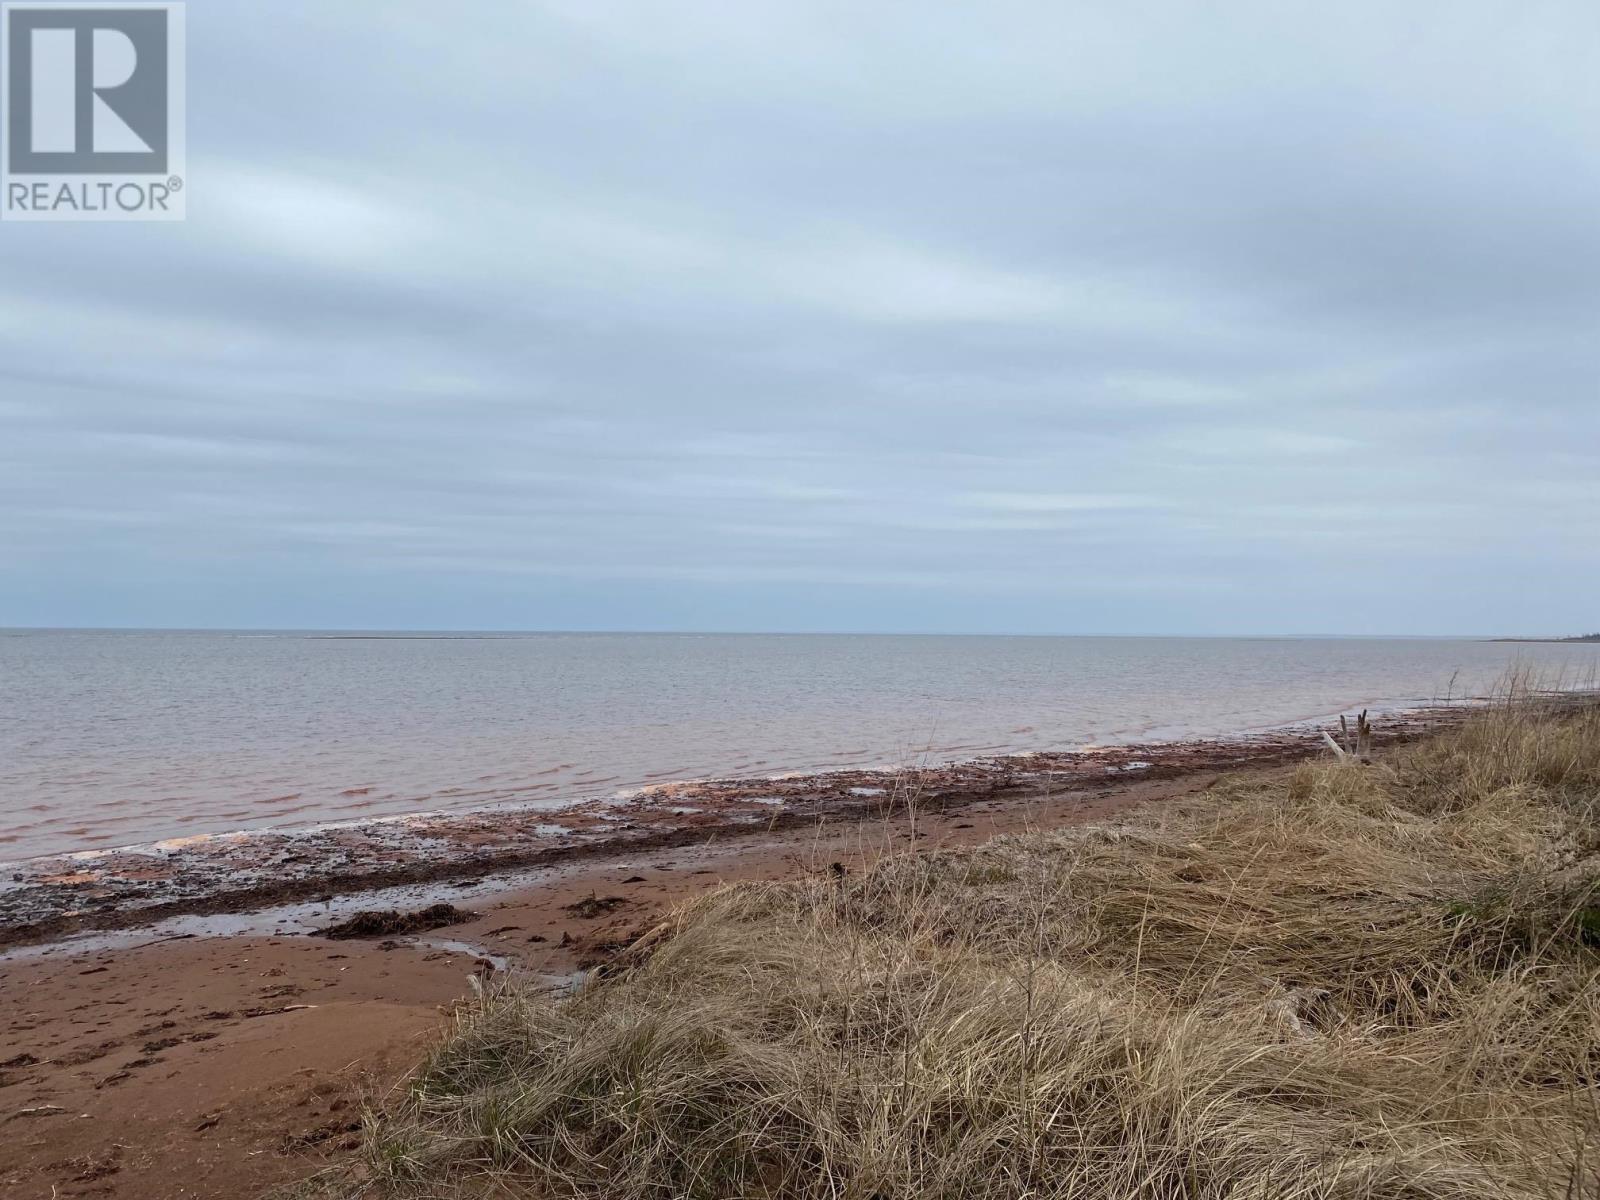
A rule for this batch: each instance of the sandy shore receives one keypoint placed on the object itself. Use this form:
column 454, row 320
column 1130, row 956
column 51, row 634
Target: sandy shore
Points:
column 194, row 1038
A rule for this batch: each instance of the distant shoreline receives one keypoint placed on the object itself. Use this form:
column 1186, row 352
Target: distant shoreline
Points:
column 1589, row 638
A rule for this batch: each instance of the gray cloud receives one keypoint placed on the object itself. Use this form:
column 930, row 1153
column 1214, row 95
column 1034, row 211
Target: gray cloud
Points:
column 1003, row 317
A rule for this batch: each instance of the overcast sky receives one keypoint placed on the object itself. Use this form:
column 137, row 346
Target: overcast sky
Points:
column 1043, row 317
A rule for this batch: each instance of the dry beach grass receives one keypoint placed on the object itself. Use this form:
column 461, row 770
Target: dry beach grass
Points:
column 1356, row 980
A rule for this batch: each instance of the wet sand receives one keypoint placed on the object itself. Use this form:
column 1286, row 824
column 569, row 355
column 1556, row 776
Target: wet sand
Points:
column 233, row 1053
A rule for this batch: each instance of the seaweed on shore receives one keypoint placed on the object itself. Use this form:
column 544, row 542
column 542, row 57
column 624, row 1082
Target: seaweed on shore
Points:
column 387, row 923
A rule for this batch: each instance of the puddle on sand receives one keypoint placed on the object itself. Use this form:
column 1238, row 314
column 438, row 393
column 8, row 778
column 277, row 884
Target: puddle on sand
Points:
column 498, row 961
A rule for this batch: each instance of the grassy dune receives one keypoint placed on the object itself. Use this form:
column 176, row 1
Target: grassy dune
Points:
column 1353, row 981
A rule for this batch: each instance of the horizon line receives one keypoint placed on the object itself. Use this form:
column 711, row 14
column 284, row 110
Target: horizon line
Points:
column 441, row 631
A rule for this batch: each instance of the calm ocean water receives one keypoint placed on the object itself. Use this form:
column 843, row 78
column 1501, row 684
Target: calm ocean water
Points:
column 110, row 739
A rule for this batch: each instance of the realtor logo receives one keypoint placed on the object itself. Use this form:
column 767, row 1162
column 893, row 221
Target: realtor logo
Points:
column 94, row 112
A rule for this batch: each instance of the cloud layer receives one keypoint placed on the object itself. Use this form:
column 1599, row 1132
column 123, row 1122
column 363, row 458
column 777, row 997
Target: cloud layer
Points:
column 1002, row 317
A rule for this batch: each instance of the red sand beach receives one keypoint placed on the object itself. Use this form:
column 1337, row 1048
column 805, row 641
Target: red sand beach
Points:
column 193, row 1037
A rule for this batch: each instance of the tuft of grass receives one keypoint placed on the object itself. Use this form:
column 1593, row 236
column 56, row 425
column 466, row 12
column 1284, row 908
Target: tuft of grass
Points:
column 1351, row 981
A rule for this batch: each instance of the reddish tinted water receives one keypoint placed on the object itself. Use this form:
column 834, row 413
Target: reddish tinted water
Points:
column 115, row 738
